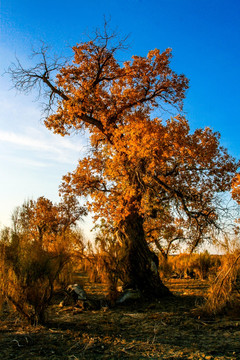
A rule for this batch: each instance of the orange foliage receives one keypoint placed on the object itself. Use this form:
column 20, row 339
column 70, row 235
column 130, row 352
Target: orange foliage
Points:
column 236, row 188
column 138, row 164
column 46, row 224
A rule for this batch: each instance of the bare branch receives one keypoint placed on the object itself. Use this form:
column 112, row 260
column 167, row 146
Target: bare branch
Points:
column 41, row 77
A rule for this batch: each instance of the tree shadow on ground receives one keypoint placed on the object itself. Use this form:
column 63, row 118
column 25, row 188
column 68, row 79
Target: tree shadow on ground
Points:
column 165, row 329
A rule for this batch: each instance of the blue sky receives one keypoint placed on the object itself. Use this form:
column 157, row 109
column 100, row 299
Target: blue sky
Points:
column 204, row 36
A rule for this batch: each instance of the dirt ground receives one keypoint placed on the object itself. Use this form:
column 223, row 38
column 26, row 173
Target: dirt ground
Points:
column 168, row 329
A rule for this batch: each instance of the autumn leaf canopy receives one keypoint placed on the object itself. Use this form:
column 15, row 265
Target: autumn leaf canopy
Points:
column 138, row 162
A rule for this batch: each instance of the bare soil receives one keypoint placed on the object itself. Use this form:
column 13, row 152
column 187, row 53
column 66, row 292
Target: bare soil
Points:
column 168, row 329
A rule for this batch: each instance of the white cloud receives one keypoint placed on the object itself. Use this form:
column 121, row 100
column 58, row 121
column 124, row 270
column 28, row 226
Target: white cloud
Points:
column 34, row 143
column 23, row 161
column 22, row 140
column 45, row 146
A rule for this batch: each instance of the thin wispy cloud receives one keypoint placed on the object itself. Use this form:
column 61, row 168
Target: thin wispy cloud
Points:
column 24, row 141
column 24, row 161
column 40, row 148
column 35, row 144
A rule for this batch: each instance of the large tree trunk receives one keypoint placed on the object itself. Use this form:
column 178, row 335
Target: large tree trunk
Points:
column 140, row 264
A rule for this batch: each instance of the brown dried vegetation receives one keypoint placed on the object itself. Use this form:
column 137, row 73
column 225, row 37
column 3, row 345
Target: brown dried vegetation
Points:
column 35, row 254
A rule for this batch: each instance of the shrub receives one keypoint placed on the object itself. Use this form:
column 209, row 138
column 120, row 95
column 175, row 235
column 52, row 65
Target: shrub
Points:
column 204, row 265
column 165, row 267
column 35, row 254
column 224, row 291
column 105, row 263
column 179, row 264
column 28, row 275
column 200, row 266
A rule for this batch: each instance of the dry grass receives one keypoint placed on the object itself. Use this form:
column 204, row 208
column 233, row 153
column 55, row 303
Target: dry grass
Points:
column 223, row 295
column 157, row 330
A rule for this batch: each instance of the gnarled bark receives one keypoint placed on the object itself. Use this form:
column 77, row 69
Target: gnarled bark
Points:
column 141, row 264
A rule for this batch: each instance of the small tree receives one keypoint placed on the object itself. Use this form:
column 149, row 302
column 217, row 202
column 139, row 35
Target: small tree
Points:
column 35, row 252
